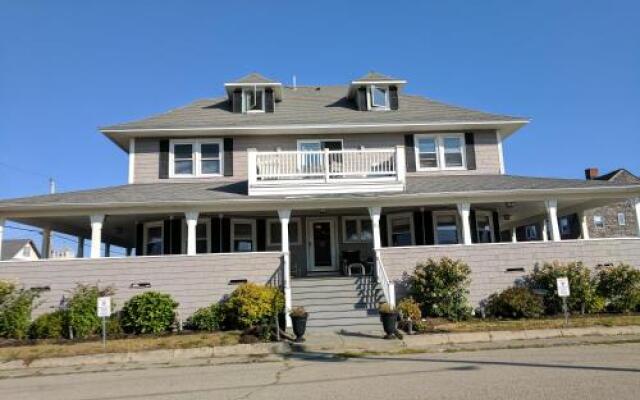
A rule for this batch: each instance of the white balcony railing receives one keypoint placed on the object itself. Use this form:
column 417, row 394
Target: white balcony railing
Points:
column 342, row 170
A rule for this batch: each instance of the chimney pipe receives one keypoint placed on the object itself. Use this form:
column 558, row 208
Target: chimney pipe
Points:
column 591, row 173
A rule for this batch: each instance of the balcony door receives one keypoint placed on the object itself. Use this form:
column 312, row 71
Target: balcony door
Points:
column 312, row 163
column 321, row 244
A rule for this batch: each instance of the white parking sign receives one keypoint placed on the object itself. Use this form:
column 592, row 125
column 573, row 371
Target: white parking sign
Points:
column 563, row 287
column 104, row 306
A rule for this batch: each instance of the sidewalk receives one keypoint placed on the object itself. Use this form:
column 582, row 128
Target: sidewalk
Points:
column 343, row 344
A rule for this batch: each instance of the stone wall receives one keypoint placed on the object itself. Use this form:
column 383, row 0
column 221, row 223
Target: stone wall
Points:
column 193, row 281
column 612, row 227
column 496, row 266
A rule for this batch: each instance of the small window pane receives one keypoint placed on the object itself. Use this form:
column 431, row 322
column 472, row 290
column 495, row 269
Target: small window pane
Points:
column 622, row 219
column 183, row 151
column 242, row 245
column 483, row 225
column 428, row 160
column 366, row 234
column 428, row 157
column 210, row 166
column 379, row 97
column 351, row 228
column 184, row 167
column 210, row 150
column 427, row 145
column 453, row 152
column 447, row 229
column 598, row 221
column 401, row 231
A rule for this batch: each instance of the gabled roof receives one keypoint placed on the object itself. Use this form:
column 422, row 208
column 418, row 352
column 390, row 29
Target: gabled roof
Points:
column 253, row 77
column 374, row 76
column 619, row 175
column 11, row 247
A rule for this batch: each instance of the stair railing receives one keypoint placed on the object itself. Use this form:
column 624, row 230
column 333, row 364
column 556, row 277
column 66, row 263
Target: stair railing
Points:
column 388, row 287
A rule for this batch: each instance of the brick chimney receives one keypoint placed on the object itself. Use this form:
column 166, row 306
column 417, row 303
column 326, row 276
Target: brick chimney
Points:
column 591, row 173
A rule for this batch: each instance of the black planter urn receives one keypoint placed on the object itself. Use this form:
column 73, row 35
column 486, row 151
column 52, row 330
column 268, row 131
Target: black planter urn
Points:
column 299, row 326
column 389, row 324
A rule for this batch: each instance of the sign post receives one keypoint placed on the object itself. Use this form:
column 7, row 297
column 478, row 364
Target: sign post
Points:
column 563, row 293
column 104, row 311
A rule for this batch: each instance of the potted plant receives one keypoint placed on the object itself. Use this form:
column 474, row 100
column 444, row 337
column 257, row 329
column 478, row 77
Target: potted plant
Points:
column 389, row 319
column 299, row 321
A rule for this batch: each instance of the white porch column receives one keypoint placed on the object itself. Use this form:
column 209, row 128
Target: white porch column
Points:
column 552, row 216
column 545, row 230
column 374, row 212
column 2, row 222
column 46, row 243
column 80, row 249
column 584, row 226
column 285, row 215
column 464, row 210
column 514, row 236
column 636, row 205
column 96, row 234
column 192, row 223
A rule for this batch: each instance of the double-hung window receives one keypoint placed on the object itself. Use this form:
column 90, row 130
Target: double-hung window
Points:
column 484, row 227
column 195, row 158
column 253, row 100
column 243, row 235
column 439, row 151
column 445, row 224
column 379, row 98
column 400, row 227
column 356, row 229
column 153, row 238
column 274, row 232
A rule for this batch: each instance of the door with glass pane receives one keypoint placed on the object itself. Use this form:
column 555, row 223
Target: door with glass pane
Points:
column 321, row 244
column 311, row 158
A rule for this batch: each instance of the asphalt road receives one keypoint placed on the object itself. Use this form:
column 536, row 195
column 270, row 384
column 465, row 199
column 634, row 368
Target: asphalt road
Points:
column 579, row 372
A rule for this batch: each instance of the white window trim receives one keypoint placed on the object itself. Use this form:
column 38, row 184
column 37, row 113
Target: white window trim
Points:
column 358, row 220
column 372, row 106
column 493, row 231
column 441, row 213
column 196, row 157
column 439, row 141
column 622, row 221
column 207, row 222
column 296, row 242
column 252, row 222
column 145, row 235
column 390, row 218
column 245, row 107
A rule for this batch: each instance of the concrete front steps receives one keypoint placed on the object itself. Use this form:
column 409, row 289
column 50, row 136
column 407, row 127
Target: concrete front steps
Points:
column 339, row 303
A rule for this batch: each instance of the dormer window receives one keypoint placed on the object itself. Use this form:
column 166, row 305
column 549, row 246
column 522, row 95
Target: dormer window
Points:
column 379, row 97
column 253, row 100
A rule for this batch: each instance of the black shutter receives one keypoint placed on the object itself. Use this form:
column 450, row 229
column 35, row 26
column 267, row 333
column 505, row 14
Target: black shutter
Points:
column 361, row 99
column 393, row 97
column 166, row 237
column 428, row 231
column 163, row 166
column 418, row 227
column 261, row 234
column 226, row 235
column 472, row 223
column 236, row 101
column 139, row 239
column 470, row 149
column 228, row 156
column 176, row 236
column 269, row 100
column 409, row 152
column 383, row 231
column 496, row 227
column 215, row 234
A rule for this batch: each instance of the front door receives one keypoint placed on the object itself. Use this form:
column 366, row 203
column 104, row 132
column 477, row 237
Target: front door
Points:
column 321, row 242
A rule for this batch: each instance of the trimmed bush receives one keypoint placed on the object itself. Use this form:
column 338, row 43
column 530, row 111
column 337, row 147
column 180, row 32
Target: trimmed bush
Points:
column 206, row 318
column 48, row 326
column 408, row 308
column 442, row 288
column 620, row 286
column 583, row 297
column 15, row 310
column 149, row 312
column 515, row 302
column 251, row 305
column 81, row 314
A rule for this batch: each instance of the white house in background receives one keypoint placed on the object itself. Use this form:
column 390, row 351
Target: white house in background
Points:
column 19, row 250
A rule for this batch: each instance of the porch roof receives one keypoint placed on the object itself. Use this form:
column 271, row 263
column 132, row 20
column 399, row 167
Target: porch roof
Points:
column 229, row 196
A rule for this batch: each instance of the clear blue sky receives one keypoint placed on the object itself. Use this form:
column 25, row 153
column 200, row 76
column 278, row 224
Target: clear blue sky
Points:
column 67, row 67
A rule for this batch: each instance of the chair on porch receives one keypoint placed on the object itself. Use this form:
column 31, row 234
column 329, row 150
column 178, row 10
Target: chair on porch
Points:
column 352, row 263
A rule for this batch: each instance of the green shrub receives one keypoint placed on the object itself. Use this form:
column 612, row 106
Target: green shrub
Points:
column 251, row 304
column 409, row 309
column 206, row 318
column 114, row 325
column 48, row 326
column 442, row 287
column 149, row 312
column 15, row 310
column 81, row 313
column 515, row 302
column 620, row 286
column 583, row 296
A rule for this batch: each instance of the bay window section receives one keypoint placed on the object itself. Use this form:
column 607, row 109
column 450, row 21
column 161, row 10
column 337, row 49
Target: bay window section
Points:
column 445, row 227
column 243, row 235
column 439, row 152
column 400, row 227
column 195, row 158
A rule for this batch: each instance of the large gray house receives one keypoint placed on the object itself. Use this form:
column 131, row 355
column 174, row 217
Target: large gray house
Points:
column 298, row 185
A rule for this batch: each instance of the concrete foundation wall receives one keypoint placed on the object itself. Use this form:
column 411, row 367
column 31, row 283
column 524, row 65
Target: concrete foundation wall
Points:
column 490, row 262
column 193, row 281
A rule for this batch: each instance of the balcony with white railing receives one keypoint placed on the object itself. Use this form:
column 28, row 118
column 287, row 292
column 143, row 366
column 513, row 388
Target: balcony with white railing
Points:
column 326, row 171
